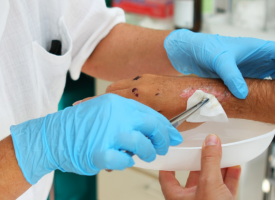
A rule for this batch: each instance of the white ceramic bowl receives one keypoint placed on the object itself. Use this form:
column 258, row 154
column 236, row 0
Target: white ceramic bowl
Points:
column 242, row 140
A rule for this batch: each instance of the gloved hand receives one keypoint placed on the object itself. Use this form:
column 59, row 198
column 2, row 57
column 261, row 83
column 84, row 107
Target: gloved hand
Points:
column 90, row 136
column 215, row 56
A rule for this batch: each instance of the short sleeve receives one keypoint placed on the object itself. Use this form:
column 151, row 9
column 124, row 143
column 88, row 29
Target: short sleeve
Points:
column 88, row 22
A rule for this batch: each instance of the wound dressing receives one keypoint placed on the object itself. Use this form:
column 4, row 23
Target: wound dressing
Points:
column 211, row 111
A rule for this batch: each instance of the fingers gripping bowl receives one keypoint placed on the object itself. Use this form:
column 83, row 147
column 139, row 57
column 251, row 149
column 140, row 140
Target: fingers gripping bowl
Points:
column 242, row 140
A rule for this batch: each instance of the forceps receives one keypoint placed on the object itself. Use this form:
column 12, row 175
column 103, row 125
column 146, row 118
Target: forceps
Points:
column 176, row 121
column 179, row 119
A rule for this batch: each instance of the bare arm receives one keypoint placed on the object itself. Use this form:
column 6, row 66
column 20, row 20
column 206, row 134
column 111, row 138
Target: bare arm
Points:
column 127, row 51
column 12, row 182
column 169, row 95
column 258, row 106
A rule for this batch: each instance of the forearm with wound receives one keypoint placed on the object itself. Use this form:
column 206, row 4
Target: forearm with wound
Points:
column 258, row 106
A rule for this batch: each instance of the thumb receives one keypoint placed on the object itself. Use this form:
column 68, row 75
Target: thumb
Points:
column 210, row 160
column 226, row 67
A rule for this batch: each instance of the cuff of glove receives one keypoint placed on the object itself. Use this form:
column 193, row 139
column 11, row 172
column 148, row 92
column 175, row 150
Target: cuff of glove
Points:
column 30, row 150
column 18, row 156
column 177, row 46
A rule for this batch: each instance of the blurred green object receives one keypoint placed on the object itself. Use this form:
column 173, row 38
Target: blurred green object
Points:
column 109, row 3
column 208, row 7
column 69, row 186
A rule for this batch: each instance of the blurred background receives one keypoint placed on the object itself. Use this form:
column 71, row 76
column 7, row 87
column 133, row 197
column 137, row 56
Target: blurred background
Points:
column 245, row 18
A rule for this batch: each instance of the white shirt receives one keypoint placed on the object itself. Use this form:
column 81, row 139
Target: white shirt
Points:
column 31, row 79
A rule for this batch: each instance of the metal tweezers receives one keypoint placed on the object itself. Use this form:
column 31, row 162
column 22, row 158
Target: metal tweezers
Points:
column 179, row 119
column 176, row 121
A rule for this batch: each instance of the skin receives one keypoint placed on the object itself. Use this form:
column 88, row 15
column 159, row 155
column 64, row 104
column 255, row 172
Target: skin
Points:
column 210, row 183
column 12, row 181
column 160, row 92
column 128, row 51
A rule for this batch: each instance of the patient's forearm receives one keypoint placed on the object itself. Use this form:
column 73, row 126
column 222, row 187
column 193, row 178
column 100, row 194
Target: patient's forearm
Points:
column 169, row 95
column 259, row 104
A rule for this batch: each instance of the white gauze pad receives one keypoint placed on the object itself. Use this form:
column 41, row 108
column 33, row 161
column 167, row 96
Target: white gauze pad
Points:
column 211, row 111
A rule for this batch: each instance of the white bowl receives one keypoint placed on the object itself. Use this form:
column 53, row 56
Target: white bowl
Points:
column 242, row 140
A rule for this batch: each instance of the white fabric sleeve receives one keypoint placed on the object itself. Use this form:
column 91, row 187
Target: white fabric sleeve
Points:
column 88, row 22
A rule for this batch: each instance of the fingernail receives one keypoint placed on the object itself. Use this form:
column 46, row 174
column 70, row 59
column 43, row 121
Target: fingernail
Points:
column 78, row 102
column 211, row 140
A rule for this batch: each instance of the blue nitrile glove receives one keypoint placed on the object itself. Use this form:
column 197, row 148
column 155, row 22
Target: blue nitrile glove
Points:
column 215, row 56
column 90, row 136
